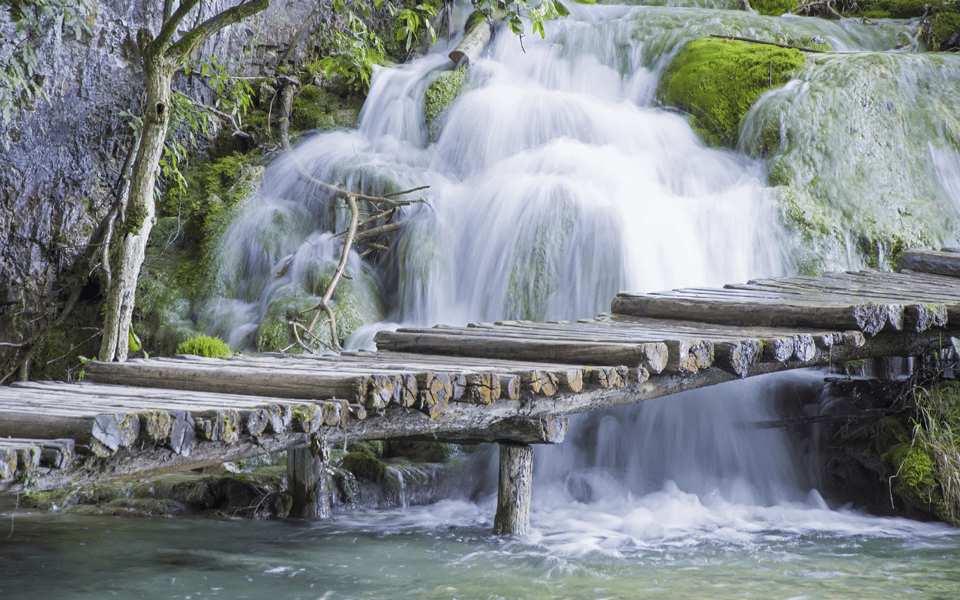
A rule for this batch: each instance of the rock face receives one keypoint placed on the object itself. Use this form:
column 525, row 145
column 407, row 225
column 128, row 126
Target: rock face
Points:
column 60, row 160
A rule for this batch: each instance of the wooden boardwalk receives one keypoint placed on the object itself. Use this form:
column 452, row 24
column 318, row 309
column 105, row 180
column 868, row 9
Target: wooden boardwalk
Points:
column 510, row 382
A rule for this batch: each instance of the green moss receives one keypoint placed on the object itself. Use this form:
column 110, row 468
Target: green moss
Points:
column 363, row 466
column 373, row 448
column 316, row 108
column 912, row 471
column 203, row 345
column 717, row 81
column 773, row 8
column 439, row 95
column 889, row 433
column 944, row 25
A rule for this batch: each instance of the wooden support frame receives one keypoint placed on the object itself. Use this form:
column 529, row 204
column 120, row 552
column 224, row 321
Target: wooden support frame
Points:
column 515, row 490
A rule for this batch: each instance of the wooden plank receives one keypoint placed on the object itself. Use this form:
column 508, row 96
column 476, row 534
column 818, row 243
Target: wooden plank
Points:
column 869, row 317
column 945, row 263
column 562, row 351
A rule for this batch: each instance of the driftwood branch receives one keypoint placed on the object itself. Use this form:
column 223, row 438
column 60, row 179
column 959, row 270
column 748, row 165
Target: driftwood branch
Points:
column 755, row 41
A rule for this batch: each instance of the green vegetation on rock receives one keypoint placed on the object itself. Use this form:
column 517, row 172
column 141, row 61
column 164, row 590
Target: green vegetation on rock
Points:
column 850, row 142
column 439, row 95
column 717, row 81
column 773, row 8
column 363, row 466
column 210, row 347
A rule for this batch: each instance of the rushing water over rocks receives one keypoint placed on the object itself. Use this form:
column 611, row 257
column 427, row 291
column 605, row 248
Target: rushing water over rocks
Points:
column 556, row 181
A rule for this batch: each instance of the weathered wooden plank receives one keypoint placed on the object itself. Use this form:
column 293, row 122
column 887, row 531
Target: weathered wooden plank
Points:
column 930, row 261
column 232, row 380
column 517, row 348
column 870, row 317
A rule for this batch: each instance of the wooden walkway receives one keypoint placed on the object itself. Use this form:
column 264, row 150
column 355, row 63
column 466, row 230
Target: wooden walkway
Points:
column 509, row 382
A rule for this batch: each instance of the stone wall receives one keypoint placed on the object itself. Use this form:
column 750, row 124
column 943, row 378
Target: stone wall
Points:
column 59, row 160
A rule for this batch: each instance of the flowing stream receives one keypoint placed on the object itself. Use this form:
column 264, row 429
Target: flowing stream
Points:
column 556, row 181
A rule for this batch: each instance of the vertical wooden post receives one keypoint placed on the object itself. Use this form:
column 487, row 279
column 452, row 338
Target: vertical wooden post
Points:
column 513, row 495
column 307, row 477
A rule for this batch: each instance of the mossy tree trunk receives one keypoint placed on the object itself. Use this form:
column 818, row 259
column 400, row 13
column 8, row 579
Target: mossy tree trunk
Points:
column 161, row 57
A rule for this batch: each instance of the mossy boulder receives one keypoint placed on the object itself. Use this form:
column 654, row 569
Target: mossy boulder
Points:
column 438, row 97
column 317, row 108
column 773, row 8
column 717, row 81
column 912, row 471
column 428, row 452
column 858, row 143
column 363, row 466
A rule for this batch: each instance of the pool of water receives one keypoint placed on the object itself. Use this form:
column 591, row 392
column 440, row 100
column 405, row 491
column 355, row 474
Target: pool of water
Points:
column 698, row 549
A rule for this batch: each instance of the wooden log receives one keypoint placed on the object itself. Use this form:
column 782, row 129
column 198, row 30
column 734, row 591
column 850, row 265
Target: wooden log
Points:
column 31, row 454
column 307, row 418
column 57, row 454
column 231, row 377
column 608, row 377
column 920, row 317
column 383, row 390
column 434, row 392
column 206, row 429
column 778, row 350
column 464, row 343
column 738, row 357
column 475, row 42
column 155, row 426
column 479, row 388
column 514, row 491
column 8, row 463
column 804, row 348
column 930, row 261
column 281, row 418
column 759, row 310
column 689, row 356
column 306, row 474
column 509, row 386
column 182, row 433
column 358, row 411
column 257, row 421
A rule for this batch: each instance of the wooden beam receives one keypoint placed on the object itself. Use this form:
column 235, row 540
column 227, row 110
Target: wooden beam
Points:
column 515, row 490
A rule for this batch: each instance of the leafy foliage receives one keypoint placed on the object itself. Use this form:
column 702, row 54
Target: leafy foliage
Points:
column 34, row 20
column 411, row 21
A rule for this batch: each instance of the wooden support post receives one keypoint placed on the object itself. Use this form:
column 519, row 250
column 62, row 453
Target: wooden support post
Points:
column 513, row 495
column 306, row 473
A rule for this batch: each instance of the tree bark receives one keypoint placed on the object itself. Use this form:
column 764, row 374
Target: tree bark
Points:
column 161, row 56
column 516, row 485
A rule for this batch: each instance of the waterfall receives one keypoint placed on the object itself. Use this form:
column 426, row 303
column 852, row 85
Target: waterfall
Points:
column 556, row 181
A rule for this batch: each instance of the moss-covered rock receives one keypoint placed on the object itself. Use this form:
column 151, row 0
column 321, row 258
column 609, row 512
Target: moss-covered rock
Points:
column 717, row 81
column 428, row 452
column 363, row 466
column 439, row 95
column 204, row 345
column 857, row 143
column 773, row 8
column 912, row 471
column 257, row 494
column 316, row 108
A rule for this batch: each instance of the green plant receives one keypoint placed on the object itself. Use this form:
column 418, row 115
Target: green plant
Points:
column 411, row 20
column 21, row 83
column 937, row 433
column 204, row 345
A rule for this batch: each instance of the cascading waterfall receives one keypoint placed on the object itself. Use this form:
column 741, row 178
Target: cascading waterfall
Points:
column 556, row 182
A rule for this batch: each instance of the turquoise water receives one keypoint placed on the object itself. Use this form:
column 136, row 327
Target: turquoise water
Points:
column 446, row 551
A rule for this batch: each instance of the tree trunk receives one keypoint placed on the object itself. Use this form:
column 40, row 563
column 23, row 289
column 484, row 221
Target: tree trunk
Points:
column 161, row 57
column 140, row 211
